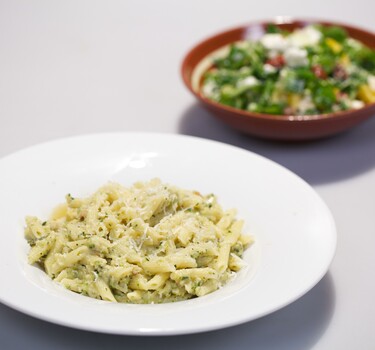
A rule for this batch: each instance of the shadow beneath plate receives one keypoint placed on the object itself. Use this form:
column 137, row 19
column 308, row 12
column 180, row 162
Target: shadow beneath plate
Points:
column 318, row 162
column 297, row 326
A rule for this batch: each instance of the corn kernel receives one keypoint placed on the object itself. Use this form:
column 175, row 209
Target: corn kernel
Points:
column 334, row 45
column 294, row 100
column 366, row 94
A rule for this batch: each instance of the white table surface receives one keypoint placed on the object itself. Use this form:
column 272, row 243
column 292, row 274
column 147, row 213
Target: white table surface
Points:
column 73, row 67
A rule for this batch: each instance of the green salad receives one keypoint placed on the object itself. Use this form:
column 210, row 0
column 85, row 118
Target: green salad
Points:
column 312, row 70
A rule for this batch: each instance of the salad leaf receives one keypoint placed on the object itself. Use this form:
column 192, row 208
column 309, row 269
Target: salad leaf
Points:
column 324, row 97
column 272, row 29
column 335, row 32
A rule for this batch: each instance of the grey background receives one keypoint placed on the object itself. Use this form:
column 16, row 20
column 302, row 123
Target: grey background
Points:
column 73, row 67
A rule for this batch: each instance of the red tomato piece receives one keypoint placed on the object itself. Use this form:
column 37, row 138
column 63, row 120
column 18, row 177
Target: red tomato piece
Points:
column 277, row 61
column 319, row 71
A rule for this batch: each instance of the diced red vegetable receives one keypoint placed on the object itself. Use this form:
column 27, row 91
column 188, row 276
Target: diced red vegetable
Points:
column 277, row 61
column 319, row 71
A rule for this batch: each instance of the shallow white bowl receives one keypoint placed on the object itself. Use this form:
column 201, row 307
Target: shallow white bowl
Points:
column 294, row 230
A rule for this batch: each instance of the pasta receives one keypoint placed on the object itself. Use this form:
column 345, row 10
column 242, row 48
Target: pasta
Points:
column 149, row 243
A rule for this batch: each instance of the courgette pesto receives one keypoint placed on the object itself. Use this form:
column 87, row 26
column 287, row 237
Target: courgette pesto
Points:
column 150, row 243
column 313, row 70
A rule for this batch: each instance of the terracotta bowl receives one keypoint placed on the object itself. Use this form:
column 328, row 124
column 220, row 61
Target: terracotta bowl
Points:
column 282, row 127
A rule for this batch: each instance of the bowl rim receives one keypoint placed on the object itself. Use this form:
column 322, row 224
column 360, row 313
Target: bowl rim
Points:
column 278, row 20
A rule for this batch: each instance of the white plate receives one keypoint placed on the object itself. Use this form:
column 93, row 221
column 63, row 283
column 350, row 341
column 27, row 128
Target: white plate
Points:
column 294, row 230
